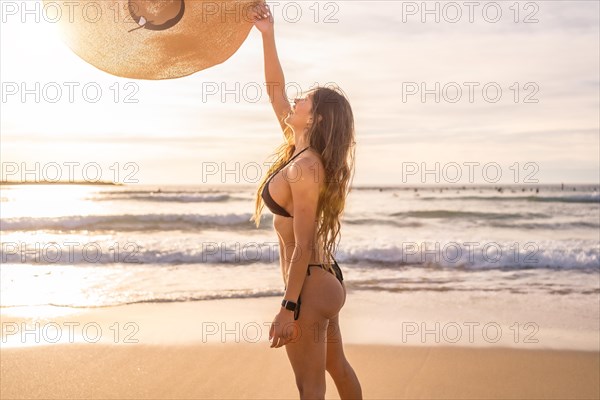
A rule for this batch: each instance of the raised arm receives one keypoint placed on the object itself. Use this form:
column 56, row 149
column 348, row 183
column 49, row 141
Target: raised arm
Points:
column 274, row 78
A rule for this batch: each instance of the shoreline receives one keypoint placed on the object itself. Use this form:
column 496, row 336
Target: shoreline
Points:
column 471, row 319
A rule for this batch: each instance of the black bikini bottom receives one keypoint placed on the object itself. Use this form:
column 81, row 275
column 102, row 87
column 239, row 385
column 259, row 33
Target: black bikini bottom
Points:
column 337, row 272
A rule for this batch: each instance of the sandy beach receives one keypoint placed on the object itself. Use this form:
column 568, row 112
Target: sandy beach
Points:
column 220, row 350
column 243, row 371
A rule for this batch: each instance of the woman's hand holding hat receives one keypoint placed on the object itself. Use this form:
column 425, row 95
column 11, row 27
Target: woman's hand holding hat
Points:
column 261, row 16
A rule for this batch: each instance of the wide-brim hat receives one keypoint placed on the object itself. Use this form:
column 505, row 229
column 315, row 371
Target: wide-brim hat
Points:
column 152, row 39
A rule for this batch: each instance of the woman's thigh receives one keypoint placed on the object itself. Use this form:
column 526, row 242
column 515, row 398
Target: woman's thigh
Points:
column 322, row 298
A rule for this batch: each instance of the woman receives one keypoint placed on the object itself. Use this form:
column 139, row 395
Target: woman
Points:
column 306, row 190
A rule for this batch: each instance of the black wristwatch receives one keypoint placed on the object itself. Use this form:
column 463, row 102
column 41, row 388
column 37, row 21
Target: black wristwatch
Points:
column 289, row 305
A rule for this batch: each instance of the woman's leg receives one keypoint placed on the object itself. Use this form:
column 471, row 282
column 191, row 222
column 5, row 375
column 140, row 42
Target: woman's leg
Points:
column 322, row 298
column 338, row 367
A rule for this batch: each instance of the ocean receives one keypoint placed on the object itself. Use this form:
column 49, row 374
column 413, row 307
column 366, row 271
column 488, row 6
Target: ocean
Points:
column 104, row 245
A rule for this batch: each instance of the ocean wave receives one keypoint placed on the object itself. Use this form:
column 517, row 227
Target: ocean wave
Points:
column 185, row 197
column 128, row 222
column 382, row 221
column 478, row 255
column 452, row 254
column 134, row 298
column 159, row 191
column 549, row 225
column 132, row 253
column 467, row 214
column 579, row 198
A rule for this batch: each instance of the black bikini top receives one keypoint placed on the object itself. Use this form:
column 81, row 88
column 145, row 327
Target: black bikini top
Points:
column 266, row 196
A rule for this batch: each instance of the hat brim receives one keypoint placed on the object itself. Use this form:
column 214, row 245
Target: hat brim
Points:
column 102, row 32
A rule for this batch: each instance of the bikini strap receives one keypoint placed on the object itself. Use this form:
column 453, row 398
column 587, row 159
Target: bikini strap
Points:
column 286, row 163
column 300, row 152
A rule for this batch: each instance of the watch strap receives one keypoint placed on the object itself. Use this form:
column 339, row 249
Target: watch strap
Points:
column 289, row 305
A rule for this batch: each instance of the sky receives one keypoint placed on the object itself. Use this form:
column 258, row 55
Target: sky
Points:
column 385, row 56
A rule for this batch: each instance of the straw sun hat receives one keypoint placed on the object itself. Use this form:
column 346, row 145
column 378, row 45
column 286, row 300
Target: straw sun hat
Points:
column 152, row 39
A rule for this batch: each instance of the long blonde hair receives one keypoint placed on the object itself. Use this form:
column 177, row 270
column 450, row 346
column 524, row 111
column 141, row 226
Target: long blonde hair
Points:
column 333, row 138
